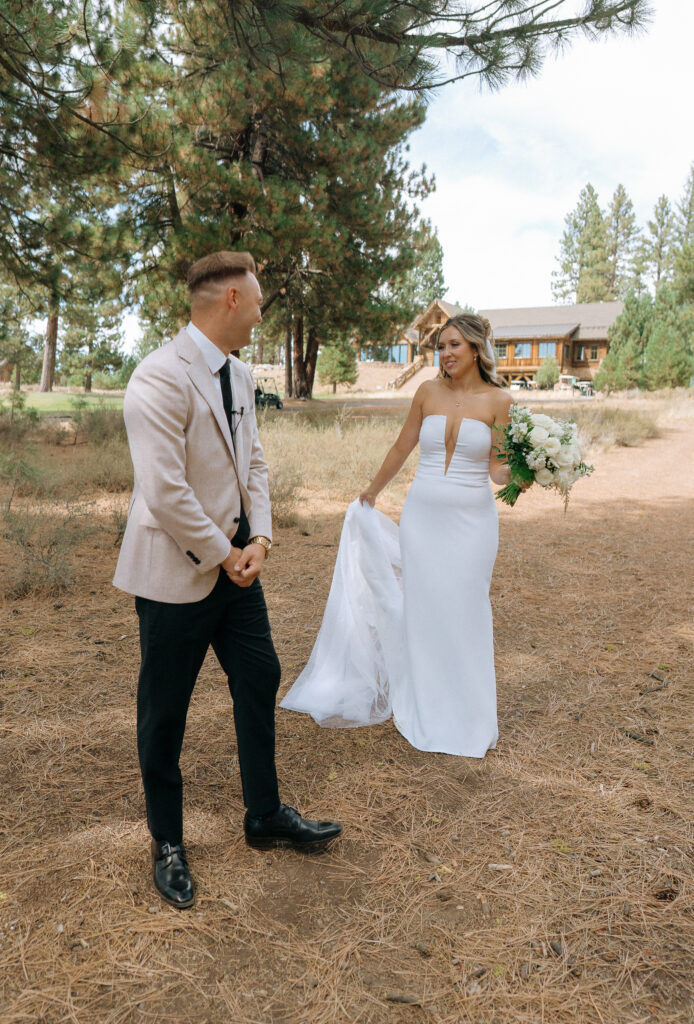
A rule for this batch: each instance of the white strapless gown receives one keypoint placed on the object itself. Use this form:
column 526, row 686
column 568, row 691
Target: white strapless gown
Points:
column 408, row 625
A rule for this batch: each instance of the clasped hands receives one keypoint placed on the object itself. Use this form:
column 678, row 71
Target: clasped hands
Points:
column 243, row 565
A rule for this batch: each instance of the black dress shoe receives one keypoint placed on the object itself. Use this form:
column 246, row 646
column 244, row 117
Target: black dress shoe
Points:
column 171, row 874
column 286, row 827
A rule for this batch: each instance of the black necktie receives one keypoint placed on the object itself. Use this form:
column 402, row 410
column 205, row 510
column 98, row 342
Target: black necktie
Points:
column 241, row 538
column 225, row 378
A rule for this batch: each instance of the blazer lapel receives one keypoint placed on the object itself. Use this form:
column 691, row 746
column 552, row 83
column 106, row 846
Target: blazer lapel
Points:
column 199, row 373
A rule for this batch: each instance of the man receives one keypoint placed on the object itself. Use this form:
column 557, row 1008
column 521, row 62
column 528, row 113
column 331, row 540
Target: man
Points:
column 198, row 533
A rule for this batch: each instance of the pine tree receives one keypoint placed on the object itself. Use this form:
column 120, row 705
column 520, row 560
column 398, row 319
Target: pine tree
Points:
column 584, row 272
column 337, row 363
column 684, row 217
column 683, row 251
column 91, row 339
column 397, row 46
column 668, row 358
column 623, row 366
column 19, row 347
column 669, row 353
column 622, row 238
column 424, row 282
column 658, row 242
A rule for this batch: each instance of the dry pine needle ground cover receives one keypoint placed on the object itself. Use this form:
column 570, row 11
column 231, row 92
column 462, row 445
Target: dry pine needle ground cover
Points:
column 550, row 882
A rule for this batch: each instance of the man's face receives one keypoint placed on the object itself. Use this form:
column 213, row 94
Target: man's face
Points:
column 245, row 300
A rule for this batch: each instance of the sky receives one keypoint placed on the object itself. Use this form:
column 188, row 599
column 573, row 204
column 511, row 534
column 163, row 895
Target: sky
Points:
column 510, row 165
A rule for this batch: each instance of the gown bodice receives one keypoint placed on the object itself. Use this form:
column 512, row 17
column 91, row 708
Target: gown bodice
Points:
column 469, row 465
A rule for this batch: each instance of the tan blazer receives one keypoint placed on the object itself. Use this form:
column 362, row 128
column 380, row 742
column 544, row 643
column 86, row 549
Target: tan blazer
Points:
column 189, row 482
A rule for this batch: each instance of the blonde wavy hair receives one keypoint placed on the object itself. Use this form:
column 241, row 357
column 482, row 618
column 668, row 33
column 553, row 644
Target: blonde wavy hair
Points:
column 477, row 331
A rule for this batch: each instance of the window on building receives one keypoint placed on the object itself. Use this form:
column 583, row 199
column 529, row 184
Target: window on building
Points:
column 580, row 353
column 500, row 351
column 567, row 351
column 398, row 354
column 546, row 348
column 522, row 351
column 593, row 352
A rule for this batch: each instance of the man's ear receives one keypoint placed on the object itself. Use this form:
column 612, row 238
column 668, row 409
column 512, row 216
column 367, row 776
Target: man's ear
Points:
column 232, row 297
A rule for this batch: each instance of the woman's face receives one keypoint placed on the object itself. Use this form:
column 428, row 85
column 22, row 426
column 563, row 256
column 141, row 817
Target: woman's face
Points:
column 456, row 355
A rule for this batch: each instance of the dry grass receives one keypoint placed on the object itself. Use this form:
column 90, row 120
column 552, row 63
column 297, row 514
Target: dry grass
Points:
column 586, row 806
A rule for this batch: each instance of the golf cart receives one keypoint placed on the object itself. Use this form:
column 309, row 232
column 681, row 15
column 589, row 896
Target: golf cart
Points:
column 266, row 393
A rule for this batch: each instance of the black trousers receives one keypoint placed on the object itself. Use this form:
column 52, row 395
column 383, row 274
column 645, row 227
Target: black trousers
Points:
column 174, row 639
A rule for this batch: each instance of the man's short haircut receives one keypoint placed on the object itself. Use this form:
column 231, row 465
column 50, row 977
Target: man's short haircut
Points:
column 218, row 265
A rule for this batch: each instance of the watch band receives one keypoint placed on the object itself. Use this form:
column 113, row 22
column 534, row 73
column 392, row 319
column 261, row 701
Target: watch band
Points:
column 266, row 543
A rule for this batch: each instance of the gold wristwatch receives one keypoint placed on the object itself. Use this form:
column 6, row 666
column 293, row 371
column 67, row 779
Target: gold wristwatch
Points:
column 267, row 544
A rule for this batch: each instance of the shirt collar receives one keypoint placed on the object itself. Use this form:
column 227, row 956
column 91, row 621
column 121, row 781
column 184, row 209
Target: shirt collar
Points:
column 214, row 357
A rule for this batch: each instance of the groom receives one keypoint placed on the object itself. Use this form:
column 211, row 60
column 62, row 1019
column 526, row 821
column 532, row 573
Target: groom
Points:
column 197, row 537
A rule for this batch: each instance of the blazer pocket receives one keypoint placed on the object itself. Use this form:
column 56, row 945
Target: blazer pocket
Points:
column 145, row 518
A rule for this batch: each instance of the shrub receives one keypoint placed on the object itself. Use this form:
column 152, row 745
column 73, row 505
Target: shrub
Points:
column 548, row 373
column 46, row 544
column 284, row 487
column 16, row 421
column 99, row 423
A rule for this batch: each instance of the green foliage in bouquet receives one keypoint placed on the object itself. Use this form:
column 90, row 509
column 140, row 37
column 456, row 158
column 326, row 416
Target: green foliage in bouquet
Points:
column 514, row 457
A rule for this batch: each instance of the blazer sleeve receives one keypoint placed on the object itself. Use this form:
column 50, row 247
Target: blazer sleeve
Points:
column 260, row 519
column 155, row 411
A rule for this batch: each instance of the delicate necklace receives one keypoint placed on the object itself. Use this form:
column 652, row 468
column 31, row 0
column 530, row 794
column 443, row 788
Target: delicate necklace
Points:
column 458, row 404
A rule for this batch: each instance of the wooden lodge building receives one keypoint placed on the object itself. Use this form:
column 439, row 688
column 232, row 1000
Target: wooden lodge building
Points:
column 575, row 335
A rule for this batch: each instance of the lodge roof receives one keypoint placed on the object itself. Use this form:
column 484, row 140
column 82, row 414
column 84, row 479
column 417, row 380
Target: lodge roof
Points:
column 589, row 320
column 585, row 321
column 534, row 331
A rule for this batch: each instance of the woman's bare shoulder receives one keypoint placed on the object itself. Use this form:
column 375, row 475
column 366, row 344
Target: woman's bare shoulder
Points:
column 427, row 389
column 503, row 401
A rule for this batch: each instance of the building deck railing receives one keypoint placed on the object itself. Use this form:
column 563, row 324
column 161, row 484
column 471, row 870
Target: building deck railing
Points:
column 406, row 373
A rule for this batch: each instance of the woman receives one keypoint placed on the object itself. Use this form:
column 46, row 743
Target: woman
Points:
column 442, row 685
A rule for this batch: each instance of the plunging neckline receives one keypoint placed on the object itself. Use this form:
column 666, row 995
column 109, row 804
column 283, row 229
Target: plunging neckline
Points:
column 443, row 416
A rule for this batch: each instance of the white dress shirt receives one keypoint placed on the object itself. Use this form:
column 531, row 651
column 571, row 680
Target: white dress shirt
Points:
column 214, row 357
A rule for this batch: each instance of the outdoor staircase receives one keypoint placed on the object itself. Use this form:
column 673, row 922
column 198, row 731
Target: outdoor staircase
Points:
column 406, row 373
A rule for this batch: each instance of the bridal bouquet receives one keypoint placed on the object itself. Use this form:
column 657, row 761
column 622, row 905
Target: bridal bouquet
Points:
column 540, row 450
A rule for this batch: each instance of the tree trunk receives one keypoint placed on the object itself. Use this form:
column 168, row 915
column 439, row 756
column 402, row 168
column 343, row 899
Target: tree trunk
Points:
column 259, row 349
column 18, row 375
column 300, row 383
column 334, row 387
column 311, row 358
column 49, row 349
column 288, row 389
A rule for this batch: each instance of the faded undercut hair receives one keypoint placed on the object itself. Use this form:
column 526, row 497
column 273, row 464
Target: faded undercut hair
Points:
column 218, row 266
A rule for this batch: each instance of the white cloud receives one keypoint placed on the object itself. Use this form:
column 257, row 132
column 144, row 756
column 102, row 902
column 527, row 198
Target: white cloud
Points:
column 510, row 165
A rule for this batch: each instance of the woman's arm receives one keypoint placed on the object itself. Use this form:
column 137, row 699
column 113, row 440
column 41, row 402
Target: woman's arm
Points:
column 397, row 456
column 500, row 473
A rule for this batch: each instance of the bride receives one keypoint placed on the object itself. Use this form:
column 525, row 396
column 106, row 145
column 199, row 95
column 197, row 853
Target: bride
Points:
column 408, row 625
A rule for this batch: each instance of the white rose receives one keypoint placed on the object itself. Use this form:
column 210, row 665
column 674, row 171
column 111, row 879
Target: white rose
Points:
column 543, row 477
column 552, row 446
column 540, row 420
column 564, row 458
column 538, row 436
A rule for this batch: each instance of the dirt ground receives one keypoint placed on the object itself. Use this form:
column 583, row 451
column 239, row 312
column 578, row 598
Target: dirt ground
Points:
column 550, row 882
